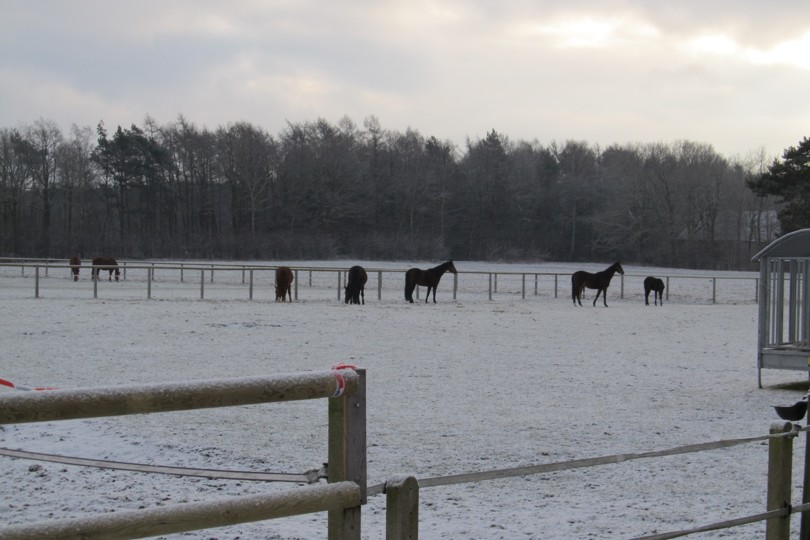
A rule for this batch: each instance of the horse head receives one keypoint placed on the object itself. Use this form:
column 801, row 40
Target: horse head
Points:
column 451, row 267
column 348, row 295
column 618, row 267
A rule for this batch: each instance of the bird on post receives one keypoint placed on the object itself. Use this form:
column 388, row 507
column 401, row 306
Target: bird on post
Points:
column 792, row 413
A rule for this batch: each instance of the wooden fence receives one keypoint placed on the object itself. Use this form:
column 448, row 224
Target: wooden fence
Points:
column 342, row 497
column 701, row 288
column 402, row 518
column 347, row 489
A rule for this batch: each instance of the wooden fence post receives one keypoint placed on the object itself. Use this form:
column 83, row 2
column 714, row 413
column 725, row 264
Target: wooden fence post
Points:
column 347, row 456
column 804, row 532
column 780, row 466
column 379, row 285
column 202, row 284
column 402, row 508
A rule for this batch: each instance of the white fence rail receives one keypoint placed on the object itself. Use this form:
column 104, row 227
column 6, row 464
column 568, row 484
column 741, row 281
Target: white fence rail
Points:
column 256, row 282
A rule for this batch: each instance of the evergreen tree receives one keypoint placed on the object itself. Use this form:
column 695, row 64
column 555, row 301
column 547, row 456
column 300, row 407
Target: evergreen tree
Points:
column 789, row 180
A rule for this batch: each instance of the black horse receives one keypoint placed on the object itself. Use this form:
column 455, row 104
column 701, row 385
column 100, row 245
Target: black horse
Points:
column 428, row 278
column 356, row 285
column 599, row 281
column 653, row 284
column 105, row 263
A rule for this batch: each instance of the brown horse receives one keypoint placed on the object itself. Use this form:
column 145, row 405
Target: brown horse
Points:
column 105, row 263
column 356, row 285
column 75, row 265
column 428, row 278
column 599, row 281
column 284, row 279
column 654, row 284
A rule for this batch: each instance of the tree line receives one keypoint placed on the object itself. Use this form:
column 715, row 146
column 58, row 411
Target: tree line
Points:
column 321, row 190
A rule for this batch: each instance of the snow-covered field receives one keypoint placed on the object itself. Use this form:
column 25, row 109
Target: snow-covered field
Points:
column 460, row 386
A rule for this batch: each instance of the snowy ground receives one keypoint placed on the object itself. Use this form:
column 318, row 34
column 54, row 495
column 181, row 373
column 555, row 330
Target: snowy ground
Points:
column 464, row 385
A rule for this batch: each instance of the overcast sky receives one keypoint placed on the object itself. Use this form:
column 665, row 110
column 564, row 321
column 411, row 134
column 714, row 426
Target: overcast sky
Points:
column 731, row 73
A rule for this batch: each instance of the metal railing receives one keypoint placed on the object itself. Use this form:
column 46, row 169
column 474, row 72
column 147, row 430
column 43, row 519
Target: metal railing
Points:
column 695, row 288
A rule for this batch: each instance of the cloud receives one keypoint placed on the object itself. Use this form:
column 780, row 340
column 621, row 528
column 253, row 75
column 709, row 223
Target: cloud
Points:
column 722, row 72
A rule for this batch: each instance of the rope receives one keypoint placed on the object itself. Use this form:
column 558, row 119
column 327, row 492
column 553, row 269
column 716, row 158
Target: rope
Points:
column 308, row 477
column 590, row 462
column 527, row 470
column 717, row 526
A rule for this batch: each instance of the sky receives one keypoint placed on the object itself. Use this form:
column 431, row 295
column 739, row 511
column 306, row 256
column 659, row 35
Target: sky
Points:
column 733, row 74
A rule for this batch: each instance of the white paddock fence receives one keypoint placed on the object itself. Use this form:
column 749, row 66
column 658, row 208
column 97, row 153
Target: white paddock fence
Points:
column 221, row 281
column 347, row 489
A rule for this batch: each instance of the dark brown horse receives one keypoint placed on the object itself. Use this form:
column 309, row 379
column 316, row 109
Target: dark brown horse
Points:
column 105, row 263
column 427, row 278
column 653, row 284
column 598, row 281
column 356, row 285
column 75, row 265
column 284, row 279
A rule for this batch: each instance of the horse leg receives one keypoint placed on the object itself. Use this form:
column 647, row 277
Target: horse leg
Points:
column 409, row 292
column 647, row 298
column 598, row 292
column 363, row 295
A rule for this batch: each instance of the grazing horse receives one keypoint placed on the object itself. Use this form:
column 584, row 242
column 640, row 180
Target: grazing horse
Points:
column 355, row 287
column 599, row 281
column 105, row 263
column 653, row 284
column 428, row 278
column 284, row 279
column 75, row 265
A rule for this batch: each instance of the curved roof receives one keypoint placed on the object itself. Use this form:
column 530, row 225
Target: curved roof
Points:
column 795, row 244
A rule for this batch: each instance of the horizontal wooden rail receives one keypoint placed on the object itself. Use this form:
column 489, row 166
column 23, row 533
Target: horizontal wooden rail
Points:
column 164, row 397
column 188, row 517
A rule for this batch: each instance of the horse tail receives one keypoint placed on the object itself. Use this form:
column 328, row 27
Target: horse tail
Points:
column 410, row 285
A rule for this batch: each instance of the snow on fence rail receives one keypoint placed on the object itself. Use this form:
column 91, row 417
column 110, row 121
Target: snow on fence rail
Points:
column 179, row 279
column 346, row 468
